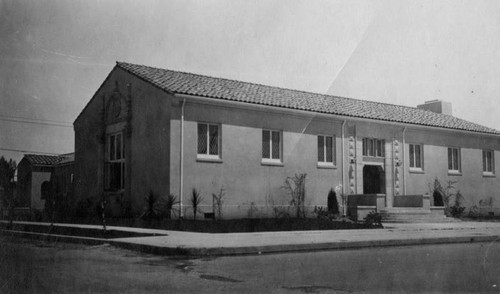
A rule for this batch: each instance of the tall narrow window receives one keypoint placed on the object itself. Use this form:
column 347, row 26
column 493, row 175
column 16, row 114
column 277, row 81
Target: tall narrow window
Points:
column 114, row 168
column 271, row 145
column 416, row 157
column 488, row 162
column 454, row 160
column 326, row 150
column 373, row 147
column 208, row 140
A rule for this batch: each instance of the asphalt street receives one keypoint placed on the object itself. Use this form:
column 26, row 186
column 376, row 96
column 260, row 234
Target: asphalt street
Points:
column 28, row 266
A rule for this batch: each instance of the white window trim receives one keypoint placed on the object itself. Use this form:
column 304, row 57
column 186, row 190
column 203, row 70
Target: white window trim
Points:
column 492, row 172
column 324, row 163
column 374, row 144
column 207, row 156
column 459, row 161
column 273, row 161
column 414, row 168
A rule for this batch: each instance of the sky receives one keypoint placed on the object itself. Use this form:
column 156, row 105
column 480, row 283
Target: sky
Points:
column 55, row 54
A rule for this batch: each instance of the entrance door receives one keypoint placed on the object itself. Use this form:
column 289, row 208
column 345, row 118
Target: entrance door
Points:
column 373, row 179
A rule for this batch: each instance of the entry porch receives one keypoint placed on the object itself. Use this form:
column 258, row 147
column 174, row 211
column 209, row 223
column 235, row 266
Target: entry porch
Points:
column 405, row 208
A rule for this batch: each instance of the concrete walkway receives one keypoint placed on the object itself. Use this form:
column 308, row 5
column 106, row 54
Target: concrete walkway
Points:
column 203, row 244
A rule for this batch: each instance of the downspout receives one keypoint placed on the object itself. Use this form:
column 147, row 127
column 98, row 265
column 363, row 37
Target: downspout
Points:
column 181, row 187
column 343, row 165
column 403, row 162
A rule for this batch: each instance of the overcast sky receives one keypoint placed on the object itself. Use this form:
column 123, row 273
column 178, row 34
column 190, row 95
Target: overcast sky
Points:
column 55, row 54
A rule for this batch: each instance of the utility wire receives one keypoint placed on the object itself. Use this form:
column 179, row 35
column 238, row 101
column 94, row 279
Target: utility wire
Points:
column 26, row 151
column 40, row 122
column 37, row 119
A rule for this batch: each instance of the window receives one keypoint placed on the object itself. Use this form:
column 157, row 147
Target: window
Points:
column 114, row 168
column 208, row 140
column 373, row 147
column 454, row 160
column 416, row 157
column 271, row 145
column 326, row 150
column 488, row 162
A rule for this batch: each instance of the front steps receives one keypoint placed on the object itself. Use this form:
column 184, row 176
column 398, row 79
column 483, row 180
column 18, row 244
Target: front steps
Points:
column 413, row 215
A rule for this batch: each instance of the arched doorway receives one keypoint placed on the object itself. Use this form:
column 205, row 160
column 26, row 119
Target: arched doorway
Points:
column 373, row 179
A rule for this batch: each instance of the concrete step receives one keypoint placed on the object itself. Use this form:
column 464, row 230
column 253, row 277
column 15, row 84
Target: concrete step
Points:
column 412, row 215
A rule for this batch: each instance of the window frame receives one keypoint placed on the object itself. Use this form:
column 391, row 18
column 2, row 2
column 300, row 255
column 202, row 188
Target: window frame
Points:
column 487, row 172
column 373, row 147
column 207, row 155
column 458, row 168
column 413, row 157
column 270, row 159
column 333, row 148
column 112, row 159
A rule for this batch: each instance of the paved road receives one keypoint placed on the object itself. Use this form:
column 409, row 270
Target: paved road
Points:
column 39, row 267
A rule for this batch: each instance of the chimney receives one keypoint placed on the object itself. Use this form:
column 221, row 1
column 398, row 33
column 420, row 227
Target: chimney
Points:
column 436, row 106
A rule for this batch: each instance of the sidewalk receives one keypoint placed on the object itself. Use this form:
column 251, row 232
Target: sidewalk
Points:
column 202, row 244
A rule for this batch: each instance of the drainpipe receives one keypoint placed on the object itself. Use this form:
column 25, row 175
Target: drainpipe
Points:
column 343, row 166
column 181, row 187
column 403, row 173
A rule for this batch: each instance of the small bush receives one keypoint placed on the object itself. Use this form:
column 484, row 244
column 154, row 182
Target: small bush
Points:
column 296, row 187
column 151, row 209
column 333, row 204
column 196, row 199
column 321, row 212
column 373, row 218
column 218, row 201
column 474, row 212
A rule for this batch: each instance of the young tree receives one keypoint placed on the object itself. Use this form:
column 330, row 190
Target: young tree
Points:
column 7, row 171
column 196, row 200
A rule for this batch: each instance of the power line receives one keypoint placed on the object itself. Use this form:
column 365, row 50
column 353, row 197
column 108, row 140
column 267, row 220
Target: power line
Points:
column 27, row 121
column 26, row 151
column 36, row 119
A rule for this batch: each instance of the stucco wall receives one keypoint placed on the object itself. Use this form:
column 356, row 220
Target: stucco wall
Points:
column 149, row 157
column 248, row 183
column 37, row 179
column 472, row 184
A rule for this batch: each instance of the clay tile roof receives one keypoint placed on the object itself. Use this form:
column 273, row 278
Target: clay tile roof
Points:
column 224, row 89
column 36, row 159
column 49, row 160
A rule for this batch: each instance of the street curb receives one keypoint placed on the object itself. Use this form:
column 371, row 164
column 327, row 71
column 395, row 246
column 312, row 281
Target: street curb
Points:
column 54, row 238
column 290, row 248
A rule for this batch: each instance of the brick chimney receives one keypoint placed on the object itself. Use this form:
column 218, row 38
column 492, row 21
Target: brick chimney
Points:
column 436, row 106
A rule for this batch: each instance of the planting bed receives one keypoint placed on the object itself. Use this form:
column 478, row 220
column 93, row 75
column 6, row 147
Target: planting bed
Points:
column 234, row 225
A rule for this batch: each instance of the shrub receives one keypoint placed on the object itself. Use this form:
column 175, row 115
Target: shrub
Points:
column 474, row 212
column 321, row 212
column 151, row 209
column 295, row 186
column 196, row 199
column 443, row 196
column 281, row 212
column 457, row 210
column 487, row 203
column 218, row 200
column 170, row 202
column 252, row 210
column 373, row 218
